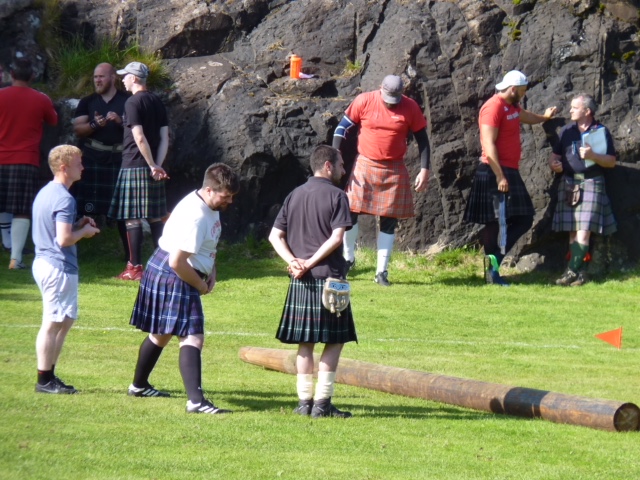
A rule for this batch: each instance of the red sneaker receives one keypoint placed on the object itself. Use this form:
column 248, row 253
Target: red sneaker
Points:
column 132, row 272
column 135, row 273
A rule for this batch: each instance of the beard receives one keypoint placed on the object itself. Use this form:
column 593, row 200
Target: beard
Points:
column 105, row 87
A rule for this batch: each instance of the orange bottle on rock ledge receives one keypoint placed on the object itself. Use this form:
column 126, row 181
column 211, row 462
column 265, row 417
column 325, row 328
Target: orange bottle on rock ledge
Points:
column 295, row 64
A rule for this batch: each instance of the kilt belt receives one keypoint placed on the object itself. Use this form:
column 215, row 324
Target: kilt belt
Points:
column 96, row 145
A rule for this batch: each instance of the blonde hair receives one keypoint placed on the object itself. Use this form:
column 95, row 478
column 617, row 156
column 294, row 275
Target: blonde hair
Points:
column 62, row 155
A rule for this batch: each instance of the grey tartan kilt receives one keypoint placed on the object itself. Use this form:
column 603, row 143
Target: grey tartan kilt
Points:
column 484, row 191
column 165, row 304
column 306, row 320
column 137, row 195
column 18, row 188
column 592, row 214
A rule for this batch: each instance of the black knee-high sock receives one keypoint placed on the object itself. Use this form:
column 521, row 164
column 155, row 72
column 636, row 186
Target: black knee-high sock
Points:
column 156, row 232
column 122, row 230
column 148, row 356
column 191, row 371
column 135, row 237
column 489, row 239
column 516, row 227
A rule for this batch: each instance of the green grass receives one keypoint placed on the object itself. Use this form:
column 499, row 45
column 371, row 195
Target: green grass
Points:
column 438, row 317
column 72, row 59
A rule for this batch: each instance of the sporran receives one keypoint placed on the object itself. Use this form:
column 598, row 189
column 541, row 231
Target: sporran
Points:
column 336, row 295
column 572, row 194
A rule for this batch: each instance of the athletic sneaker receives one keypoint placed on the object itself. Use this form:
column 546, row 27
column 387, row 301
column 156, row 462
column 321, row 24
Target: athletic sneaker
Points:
column 382, row 279
column 205, row 407
column 54, row 388
column 64, row 386
column 492, row 272
column 131, row 272
column 148, row 391
column 304, row 407
column 568, row 278
column 580, row 280
column 16, row 265
column 324, row 408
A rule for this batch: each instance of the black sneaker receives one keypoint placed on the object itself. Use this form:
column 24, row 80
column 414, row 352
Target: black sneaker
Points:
column 55, row 388
column 205, row 407
column 148, row 391
column 325, row 408
column 70, row 389
column 304, row 407
column 567, row 278
column 382, row 279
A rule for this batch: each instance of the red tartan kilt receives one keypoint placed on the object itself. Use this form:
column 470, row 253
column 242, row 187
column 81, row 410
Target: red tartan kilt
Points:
column 380, row 187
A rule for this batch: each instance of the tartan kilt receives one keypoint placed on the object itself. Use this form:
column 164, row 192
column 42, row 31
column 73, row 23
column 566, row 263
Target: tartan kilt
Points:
column 484, row 192
column 137, row 195
column 306, row 320
column 593, row 213
column 380, row 187
column 18, row 188
column 94, row 191
column 165, row 304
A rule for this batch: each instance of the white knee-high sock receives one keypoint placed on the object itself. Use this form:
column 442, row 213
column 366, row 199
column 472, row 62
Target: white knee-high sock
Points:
column 5, row 226
column 385, row 246
column 19, row 232
column 324, row 387
column 305, row 386
column 349, row 246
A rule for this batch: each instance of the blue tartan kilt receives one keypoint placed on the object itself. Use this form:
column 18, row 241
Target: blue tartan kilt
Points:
column 137, row 195
column 484, row 193
column 18, row 188
column 165, row 304
column 592, row 214
column 306, row 320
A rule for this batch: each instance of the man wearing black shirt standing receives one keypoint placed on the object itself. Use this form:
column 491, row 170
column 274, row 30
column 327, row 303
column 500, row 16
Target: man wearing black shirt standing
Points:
column 139, row 193
column 98, row 125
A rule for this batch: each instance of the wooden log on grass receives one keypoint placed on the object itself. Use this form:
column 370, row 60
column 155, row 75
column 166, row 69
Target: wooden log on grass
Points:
column 489, row 397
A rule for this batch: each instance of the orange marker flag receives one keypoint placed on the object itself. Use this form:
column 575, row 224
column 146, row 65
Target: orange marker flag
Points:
column 614, row 337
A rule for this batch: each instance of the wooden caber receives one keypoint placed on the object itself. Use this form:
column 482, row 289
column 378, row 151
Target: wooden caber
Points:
column 489, row 397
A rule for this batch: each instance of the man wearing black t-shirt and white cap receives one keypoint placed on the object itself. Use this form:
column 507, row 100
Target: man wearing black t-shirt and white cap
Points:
column 140, row 192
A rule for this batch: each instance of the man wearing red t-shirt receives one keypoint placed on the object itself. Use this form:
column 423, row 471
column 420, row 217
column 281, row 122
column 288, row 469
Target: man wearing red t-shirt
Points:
column 379, row 183
column 499, row 198
column 22, row 113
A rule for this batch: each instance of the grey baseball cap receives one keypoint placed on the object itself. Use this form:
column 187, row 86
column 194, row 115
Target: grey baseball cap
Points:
column 391, row 89
column 138, row 69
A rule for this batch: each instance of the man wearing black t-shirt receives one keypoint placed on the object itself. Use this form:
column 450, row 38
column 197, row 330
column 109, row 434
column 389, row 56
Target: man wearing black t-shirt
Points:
column 308, row 234
column 139, row 193
column 98, row 125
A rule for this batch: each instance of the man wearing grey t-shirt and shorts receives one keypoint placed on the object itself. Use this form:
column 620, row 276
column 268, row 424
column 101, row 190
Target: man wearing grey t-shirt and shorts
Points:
column 55, row 268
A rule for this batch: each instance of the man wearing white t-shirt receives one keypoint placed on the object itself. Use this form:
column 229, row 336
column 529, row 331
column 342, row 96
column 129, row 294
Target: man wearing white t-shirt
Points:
column 181, row 270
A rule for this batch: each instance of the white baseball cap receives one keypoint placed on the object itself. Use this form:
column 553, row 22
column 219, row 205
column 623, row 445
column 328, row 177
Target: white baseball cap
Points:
column 514, row 78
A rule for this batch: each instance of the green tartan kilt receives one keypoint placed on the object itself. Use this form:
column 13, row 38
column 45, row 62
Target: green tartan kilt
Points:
column 306, row 320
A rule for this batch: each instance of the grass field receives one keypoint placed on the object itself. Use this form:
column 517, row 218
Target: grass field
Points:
column 438, row 317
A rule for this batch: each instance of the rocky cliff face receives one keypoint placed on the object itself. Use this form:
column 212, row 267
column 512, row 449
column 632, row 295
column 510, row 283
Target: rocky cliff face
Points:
column 232, row 100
